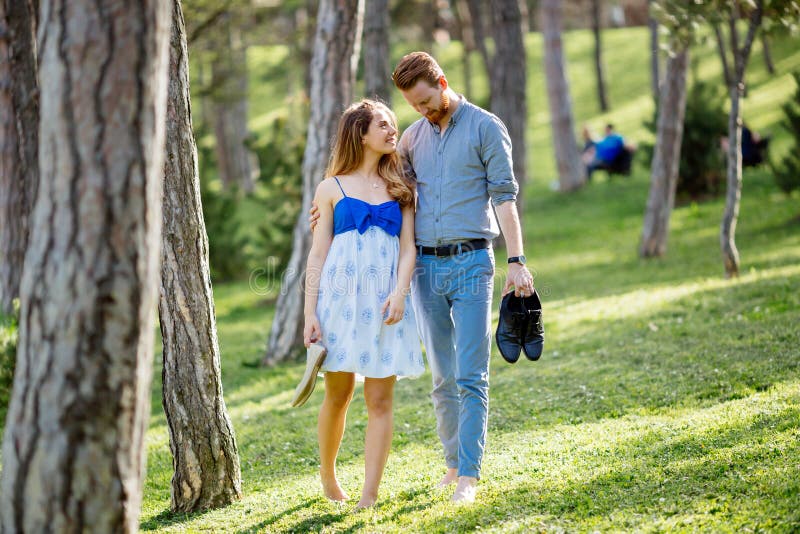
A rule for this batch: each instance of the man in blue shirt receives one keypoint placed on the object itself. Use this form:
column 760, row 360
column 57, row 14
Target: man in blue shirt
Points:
column 459, row 156
column 606, row 151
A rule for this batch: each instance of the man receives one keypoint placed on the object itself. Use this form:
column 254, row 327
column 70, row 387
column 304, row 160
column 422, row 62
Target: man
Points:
column 459, row 155
column 603, row 154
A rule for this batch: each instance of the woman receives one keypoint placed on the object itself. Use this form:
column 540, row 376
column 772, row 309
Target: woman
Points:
column 357, row 284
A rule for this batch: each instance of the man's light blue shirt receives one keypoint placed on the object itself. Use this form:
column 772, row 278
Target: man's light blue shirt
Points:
column 457, row 174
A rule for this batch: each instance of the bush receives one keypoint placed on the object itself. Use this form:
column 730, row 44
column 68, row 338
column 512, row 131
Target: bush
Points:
column 787, row 172
column 280, row 156
column 8, row 357
column 702, row 165
column 226, row 246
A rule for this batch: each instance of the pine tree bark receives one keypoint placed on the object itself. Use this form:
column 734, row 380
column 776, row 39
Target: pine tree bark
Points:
column 236, row 164
column 73, row 450
column 571, row 172
column 19, row 134
column 508, row 81
column 655, row 64
column 377, row 73
column 733, row 195
column 666, row 158
column 333, row 66
column 598, row 57
column 204, row 453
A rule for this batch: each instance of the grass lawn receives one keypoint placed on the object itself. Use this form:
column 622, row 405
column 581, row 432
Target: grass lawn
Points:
column 668, row 398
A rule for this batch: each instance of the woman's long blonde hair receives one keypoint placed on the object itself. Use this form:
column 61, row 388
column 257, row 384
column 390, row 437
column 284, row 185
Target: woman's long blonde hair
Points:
column 348, row 150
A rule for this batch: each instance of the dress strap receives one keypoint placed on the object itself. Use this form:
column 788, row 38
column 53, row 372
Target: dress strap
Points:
column 340, row 185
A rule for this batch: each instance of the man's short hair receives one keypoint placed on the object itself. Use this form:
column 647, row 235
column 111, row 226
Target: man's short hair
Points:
column 414, row 67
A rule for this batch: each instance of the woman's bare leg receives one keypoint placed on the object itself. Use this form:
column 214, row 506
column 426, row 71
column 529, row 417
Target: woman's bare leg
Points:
column 330, row 429
column 378, row 395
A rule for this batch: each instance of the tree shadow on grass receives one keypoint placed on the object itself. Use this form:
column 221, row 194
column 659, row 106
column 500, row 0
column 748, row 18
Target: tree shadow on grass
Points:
column 659, row 476
column 274, row 519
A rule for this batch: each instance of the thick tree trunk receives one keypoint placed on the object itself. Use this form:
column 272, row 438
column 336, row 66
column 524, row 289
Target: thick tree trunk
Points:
column 204, row 453
column 74, row 450
column 377, row 73
column 333, row 67
column 666, row 159
column 571, row 172
column 508, row 83
column 464, row 21
column 655, row 63
column 598, row 57
column 236, row 164
column 476, row 17
column 727, row 234
column 19, row 134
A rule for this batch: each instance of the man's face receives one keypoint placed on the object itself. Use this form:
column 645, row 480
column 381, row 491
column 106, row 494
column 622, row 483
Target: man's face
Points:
column 430, row 102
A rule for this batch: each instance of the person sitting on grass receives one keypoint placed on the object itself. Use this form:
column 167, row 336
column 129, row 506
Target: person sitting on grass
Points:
column 605, row 153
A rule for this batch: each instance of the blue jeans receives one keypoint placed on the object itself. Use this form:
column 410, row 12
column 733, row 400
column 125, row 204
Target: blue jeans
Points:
column 452, row 297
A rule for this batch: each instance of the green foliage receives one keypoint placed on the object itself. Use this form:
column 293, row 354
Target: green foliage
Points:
column 9, row 333
column 787, row 172
column 702, row 167
column 226, row 244
column 280, row 157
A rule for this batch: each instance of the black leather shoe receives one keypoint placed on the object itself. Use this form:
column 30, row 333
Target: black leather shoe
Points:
column 533, row 338
column 510, row 327
column 520, row 327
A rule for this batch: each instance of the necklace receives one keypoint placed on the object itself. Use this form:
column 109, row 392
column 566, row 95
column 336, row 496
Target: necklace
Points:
column 375, row 184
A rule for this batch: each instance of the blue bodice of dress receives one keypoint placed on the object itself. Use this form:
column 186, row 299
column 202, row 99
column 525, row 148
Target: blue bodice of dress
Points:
column 355, row 214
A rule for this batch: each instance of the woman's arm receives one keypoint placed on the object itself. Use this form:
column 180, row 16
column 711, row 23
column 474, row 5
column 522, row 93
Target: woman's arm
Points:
column 405, row 269
column 320, row 245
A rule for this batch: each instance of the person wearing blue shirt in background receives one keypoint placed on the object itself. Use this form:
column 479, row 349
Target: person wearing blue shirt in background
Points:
column 602, row 154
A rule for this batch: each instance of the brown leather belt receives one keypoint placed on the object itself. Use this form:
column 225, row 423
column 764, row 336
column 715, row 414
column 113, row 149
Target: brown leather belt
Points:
column 454, row 248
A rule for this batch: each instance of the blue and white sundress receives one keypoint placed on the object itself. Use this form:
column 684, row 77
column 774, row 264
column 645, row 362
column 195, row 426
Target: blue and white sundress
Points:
column 359, row 273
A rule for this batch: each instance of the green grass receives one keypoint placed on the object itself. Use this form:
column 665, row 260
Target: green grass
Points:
column 667, row 398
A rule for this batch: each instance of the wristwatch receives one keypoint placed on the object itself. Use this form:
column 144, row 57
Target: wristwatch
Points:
column 517, row 259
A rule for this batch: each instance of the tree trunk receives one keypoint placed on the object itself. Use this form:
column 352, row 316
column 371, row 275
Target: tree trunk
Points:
column 655, row 64
column 377, row 73
column 666, row 158
column 723, row 56
column 204, row 453
column 598, row 56
column 508, row 83
column 19, row 133
column 571, row 172
column 74, row 448
column 767, row 54
column 727, row 234
column 476, row 17
column 464, row 20
column 333, row 67
column 236, row 164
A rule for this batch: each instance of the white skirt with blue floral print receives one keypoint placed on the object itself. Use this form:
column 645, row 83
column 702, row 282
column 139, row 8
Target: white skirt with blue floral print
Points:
column 359, row 273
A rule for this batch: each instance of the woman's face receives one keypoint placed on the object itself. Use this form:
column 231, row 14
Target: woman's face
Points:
column 381, row 135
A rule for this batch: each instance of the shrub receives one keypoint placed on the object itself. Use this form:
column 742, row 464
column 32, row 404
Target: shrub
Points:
column 702, row 165
column 8, row 357
column 787, row 172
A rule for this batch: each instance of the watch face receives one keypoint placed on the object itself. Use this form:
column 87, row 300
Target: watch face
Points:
column 517, row 259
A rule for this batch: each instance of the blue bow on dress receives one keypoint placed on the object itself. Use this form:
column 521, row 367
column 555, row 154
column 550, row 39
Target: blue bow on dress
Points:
column 387, row 216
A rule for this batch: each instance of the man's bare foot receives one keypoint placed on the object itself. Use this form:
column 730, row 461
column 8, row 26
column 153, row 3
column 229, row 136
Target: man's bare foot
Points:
column 449, row 477
column 366, row 502
column 465, row 490
column 333, row 490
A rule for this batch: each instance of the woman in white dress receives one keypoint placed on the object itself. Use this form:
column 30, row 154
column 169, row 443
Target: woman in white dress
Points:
column 357, row 285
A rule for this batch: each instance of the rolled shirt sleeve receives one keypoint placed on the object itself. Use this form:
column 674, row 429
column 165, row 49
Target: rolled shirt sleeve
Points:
column 496, row 156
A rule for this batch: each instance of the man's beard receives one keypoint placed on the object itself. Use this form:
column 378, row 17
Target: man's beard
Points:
column 444, row 106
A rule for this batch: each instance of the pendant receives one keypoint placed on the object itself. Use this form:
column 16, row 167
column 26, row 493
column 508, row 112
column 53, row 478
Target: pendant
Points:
column 375, row 186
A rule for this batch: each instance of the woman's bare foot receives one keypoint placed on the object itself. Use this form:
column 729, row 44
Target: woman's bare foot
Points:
column 333, row 490
column 449, row 477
